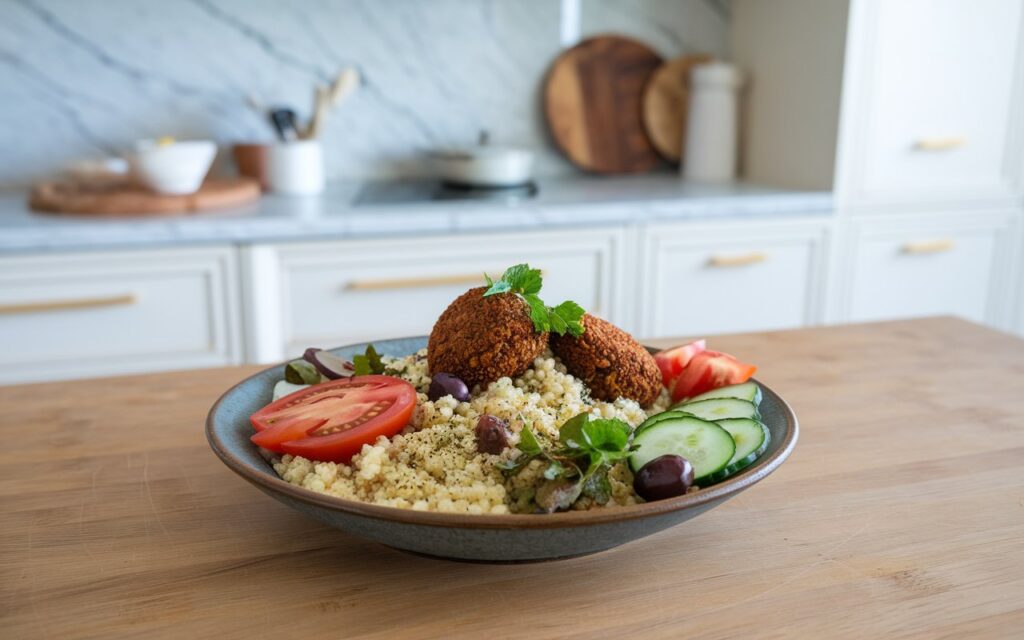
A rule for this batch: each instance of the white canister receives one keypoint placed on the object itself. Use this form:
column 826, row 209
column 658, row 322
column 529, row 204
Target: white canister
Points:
column 296, row 168
column 712, row 140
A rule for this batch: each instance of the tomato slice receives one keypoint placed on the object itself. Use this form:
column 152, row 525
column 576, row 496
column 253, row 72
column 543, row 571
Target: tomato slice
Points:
column 709, row 370
column 673, row 361
column 332, row 421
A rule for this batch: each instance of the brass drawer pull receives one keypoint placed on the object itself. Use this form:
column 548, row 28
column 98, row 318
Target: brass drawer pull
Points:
column 65, row 305
column 927, row 247
column 737, row 261
column 385, row 284
column 940, row 143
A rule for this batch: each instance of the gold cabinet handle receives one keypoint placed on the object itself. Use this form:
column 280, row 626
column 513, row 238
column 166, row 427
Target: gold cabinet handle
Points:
column 927, row 247
column 64, row 305
column 737, row 261
column 385, row 284
column 947, row 143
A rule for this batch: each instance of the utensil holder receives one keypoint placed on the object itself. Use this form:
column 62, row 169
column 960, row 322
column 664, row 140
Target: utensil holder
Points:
column 296, row 168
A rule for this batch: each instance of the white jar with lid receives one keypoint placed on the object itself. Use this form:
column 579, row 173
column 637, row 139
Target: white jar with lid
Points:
column 712, row 140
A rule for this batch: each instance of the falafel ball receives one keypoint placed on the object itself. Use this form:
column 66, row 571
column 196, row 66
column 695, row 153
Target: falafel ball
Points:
column 482, row 339
column 610, row 362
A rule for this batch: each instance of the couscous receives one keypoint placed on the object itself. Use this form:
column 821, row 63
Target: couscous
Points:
column 434, row 464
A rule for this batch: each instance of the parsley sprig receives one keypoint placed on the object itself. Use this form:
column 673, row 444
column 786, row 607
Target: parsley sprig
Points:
column 589, row 449
column 526, row 283
column 368, row 363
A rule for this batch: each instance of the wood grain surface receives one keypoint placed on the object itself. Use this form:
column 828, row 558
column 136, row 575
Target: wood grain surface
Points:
column 666, row 104
column 592, row 105
column 129, row 199
column 900, row 514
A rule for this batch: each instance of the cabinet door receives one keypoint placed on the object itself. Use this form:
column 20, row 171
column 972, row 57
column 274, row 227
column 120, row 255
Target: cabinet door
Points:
column 88, row 314
column 333, row 293
column 728, row 278
column 940, row 265
column 1018, row 324
column 934, row 100
column 1017, row 285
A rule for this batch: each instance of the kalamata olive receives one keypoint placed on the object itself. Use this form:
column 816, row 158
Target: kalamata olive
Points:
column 666, row 476
column 491, row 434
column 445, row 384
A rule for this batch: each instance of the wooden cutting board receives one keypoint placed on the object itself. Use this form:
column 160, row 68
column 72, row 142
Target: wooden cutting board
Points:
column 592, row 103
column 665, row 102
column 121, row 198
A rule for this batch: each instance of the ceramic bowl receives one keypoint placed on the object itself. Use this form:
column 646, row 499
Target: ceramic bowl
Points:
column 484, row 167
column 480, row 538
column 176, row 168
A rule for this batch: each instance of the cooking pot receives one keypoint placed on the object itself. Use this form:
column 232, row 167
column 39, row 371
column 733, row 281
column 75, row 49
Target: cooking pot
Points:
column 483, row 165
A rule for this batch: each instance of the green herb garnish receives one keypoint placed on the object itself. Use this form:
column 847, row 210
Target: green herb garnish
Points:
column 525, row 282
column 368, row 363
column 580, row 465
column 528, row 443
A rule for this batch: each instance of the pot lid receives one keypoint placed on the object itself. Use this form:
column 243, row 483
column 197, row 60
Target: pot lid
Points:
column 483, row 149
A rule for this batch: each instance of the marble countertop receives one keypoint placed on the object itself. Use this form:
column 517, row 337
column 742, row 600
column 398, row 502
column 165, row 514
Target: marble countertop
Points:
column 560, row 203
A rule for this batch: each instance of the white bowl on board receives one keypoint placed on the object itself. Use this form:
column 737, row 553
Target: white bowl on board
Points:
column 176, row 168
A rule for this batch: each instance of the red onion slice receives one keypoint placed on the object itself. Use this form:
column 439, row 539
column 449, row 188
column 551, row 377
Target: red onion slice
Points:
column 328, row 364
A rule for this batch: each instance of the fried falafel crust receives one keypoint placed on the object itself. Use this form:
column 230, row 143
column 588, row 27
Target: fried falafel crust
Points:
column 482, row 339
column 610, row 362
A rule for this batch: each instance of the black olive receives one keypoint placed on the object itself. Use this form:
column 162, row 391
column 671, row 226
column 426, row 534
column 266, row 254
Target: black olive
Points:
column 445, row 384
column 666, row 476
column 491, row 434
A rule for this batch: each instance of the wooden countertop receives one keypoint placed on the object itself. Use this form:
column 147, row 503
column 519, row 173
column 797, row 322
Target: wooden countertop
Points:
column 901, row 513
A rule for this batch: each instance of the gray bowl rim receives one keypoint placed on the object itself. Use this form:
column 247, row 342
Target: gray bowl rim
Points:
column 724, row 489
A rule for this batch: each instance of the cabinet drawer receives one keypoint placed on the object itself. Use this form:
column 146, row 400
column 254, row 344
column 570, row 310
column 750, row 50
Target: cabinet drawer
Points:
column 940, row 266
column 66, row 316
column 331, row 293
column 730, row 278
column 935, row 100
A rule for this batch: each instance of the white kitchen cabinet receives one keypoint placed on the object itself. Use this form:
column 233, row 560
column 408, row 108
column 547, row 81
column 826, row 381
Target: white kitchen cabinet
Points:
column 952, row 264
column 731, row 277
column 1018, row 283
column 922, row 107
column 933, row 104
column 106, row 313
column 331, row 293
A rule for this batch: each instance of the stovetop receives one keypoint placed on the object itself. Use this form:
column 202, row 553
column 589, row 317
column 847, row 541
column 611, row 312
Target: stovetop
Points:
column 424, row 191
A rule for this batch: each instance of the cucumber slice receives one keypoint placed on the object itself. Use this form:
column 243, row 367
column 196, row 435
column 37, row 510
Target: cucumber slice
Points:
column 720, row 409
column 749, row 391
column 751, row 438
column 707, row 446
column 658, row 417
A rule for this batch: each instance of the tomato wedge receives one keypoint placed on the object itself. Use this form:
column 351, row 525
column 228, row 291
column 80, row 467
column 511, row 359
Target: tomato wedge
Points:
column 709, row 370
column 332, row 421
column 673, row 361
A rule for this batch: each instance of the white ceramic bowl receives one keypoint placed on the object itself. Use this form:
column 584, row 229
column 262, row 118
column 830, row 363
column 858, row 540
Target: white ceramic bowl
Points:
column 483, row 166
column 176, row 168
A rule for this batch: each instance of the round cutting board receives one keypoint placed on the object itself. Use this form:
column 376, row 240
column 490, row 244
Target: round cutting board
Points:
column 592, row 101
column 666, row 101
column 129, row 199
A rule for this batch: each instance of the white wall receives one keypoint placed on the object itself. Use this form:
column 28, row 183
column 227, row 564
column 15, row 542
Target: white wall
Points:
column 793, row 53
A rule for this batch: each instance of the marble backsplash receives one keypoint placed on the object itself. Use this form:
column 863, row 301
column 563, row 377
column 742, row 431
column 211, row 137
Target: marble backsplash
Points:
column 82, row 79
